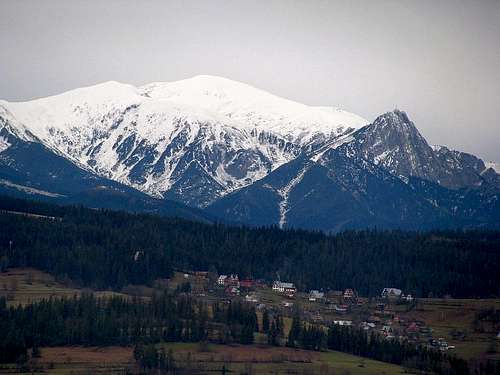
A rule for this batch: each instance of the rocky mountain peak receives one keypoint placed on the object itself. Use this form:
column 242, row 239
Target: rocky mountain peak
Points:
column 396, row 123
column 393, row 142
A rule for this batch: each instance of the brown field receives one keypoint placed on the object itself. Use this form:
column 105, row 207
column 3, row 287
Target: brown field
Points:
column 79, row 360
column 105, row 355
column 236, row 359
column 445, row 315
column 27, row 285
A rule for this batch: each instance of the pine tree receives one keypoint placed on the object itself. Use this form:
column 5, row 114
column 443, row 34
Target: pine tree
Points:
column 272, row 336
column 265, row 321
column 295, row 330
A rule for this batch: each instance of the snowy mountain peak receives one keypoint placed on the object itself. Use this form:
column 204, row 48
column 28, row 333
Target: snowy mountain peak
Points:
column 193, row 140
column 395, row 121
column 244, row 104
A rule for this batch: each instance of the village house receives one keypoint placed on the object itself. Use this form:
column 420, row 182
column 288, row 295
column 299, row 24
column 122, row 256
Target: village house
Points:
column 231, row 280
column 391, row 293
column 407, row 298
column 222, row 280
column 349, row 296
column 316, row 295
column 387, row 330
column 285, row 288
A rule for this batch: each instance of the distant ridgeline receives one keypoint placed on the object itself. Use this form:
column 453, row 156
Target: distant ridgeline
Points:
column 97, row 248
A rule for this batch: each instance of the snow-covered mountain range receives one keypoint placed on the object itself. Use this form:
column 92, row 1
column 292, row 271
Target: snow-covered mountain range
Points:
column 209, row 142
column 224, row 134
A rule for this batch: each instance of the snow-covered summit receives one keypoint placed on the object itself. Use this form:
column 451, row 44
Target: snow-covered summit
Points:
column 205, row 136
column 248, row 105
column 204, row 98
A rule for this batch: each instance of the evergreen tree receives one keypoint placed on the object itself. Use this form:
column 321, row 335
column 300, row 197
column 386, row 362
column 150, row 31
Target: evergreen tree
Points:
column 265, row 321
column 295, row 330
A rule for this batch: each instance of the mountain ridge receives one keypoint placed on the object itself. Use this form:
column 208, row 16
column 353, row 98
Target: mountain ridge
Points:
column 239, row 152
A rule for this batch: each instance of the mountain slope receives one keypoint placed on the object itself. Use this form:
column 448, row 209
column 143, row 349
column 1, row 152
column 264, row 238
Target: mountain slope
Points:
column 394, row 143
column 383, row 175
column 30, row 170
column 335, row 194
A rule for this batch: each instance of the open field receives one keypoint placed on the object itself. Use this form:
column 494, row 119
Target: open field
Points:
column 26, row 285
column 236, row 359
column 80, row 360
column 273, row 360
column 446, row 315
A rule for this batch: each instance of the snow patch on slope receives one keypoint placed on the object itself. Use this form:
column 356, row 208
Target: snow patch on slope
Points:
column 284, row 193
column 330, row 146
column 28, row 189
column 4, row 144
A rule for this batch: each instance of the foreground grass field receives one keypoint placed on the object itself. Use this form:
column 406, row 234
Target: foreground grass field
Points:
column 209, row 360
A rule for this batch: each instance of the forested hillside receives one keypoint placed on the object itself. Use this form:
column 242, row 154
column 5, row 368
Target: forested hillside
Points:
column 106, row 249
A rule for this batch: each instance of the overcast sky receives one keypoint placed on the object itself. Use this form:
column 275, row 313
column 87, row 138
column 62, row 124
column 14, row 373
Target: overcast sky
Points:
column 437, row 60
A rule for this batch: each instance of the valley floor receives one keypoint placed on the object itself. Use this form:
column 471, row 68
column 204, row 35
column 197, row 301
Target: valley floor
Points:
column 451, row 319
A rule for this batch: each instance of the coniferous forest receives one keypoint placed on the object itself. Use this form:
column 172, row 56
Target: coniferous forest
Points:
column 88, row 320
column 97, row 248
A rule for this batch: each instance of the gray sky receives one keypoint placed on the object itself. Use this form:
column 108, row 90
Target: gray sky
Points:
column 437, row 60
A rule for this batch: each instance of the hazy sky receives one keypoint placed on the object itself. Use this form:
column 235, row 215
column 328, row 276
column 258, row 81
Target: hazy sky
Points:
column 437, row 60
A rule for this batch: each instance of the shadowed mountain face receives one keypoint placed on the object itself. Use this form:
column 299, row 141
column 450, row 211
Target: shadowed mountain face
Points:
column 385, row 176
column 394, row 143
column 241, row 155
column 30, row 170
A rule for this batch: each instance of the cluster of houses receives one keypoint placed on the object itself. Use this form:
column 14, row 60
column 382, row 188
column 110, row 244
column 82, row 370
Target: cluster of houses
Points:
column 399, row 329
column 382, row 321
column 233, row 285
column 340, row 302
column 394, row 293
